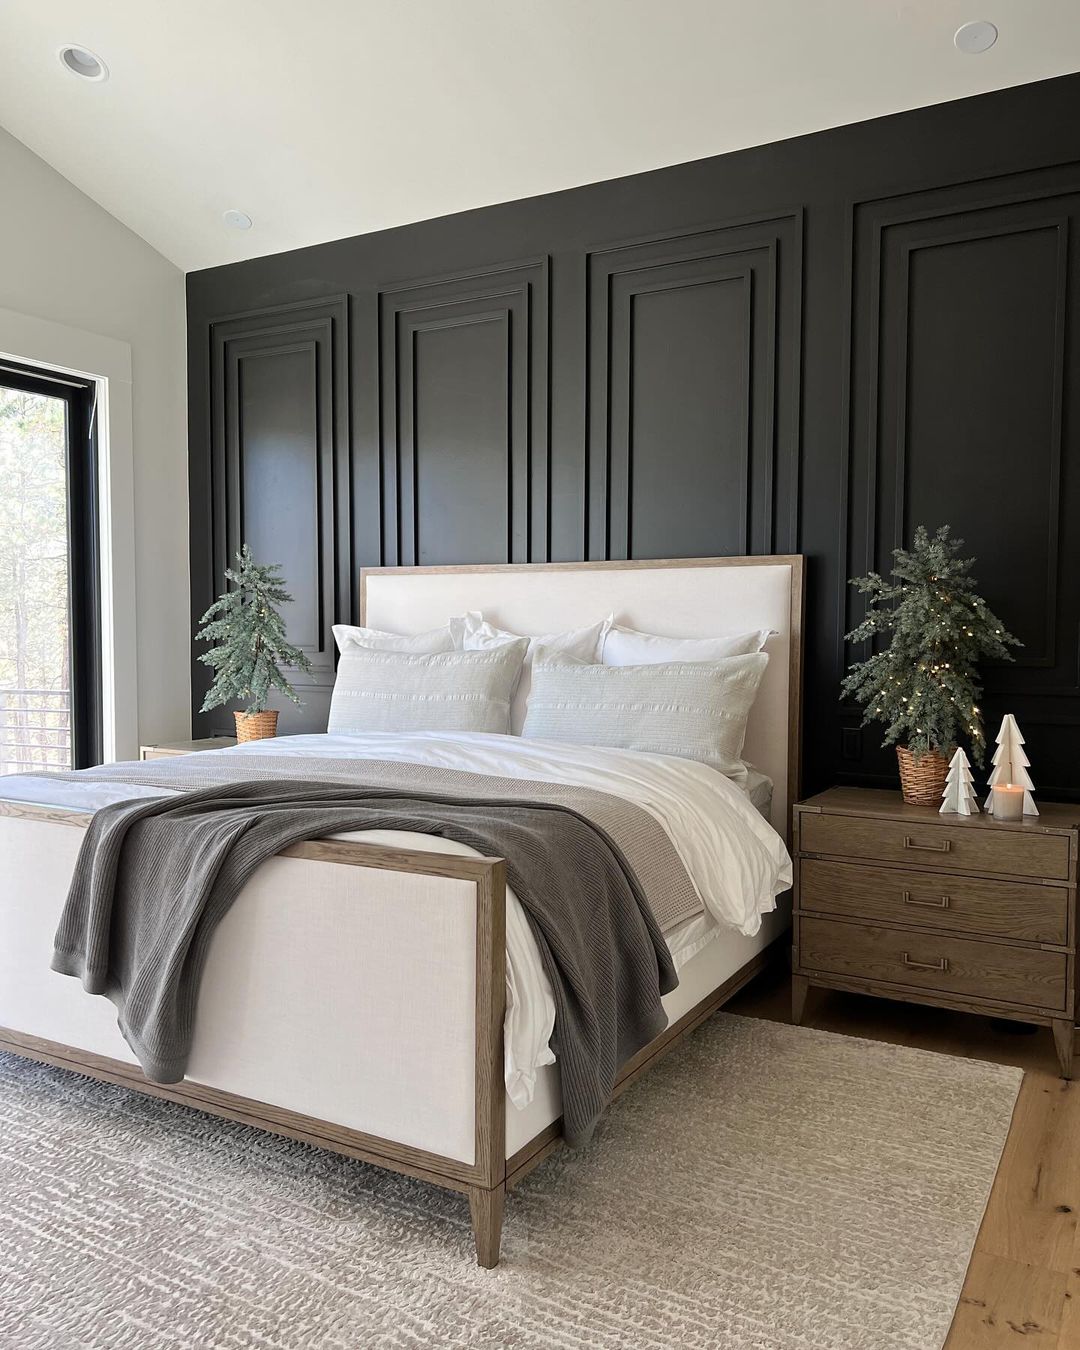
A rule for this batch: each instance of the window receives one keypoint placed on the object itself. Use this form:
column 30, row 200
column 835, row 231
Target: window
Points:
column 50, row 666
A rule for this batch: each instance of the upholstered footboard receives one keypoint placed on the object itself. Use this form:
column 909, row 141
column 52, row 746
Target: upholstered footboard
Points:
column 353, row 998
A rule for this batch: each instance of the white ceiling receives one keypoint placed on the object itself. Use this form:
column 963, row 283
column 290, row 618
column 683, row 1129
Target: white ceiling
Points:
column 333, row 117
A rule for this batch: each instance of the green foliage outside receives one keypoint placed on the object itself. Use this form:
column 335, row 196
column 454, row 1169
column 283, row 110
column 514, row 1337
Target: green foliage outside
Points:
column 34, row 648
column 924, row 686
column 249, row 636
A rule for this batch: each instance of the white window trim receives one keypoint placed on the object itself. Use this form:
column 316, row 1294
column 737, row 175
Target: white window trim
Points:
column 106, row 360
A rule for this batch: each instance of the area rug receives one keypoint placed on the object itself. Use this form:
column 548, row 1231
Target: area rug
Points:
column 765, row 1188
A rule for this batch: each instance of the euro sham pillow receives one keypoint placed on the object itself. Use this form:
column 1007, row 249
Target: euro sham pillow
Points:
column 447, row 639
column 416, row 691
column 584, row 643
column 627, row 647
column 691, row 709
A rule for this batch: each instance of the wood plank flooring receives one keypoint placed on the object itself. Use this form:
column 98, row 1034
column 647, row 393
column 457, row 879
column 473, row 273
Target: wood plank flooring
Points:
column 1023, row 1283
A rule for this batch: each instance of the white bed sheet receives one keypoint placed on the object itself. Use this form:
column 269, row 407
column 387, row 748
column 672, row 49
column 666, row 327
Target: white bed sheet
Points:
column 735, row 858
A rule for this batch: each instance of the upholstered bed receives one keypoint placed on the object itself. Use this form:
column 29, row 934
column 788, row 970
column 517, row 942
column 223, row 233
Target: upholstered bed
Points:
column 379, row 994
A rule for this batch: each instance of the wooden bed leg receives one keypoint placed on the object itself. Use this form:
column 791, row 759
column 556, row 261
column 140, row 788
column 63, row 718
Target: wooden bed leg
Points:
column 800, row 987
column 486, row 1208
column 486, row 1197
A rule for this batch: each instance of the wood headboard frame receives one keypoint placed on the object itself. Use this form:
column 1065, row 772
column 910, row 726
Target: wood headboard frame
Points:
column 684, row 597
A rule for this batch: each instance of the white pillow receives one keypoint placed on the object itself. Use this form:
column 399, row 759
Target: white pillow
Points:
column 416, row 691
column 692, row 709
column 584, row 643
column 446, row 639
column 627, row 647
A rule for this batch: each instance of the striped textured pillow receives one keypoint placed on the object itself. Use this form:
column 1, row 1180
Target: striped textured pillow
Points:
column 691, row 709
column 439, row 691
column 585, row 643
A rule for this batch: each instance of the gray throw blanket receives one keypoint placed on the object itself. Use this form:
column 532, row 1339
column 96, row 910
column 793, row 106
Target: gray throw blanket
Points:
column 156, row 875
column 636, row 833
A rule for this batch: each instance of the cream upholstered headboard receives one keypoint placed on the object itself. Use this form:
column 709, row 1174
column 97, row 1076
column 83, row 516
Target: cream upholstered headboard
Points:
column 684, row 597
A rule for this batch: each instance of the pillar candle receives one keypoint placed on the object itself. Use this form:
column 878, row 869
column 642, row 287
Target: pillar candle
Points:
column 1009, row 802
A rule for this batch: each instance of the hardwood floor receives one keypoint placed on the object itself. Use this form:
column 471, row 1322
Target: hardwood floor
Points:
column 1023, row 1283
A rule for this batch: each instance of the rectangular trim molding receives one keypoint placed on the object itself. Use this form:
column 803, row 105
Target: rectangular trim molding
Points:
column 806, row 347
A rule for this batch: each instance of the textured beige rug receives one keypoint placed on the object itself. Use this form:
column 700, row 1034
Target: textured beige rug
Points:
column 766, row 1188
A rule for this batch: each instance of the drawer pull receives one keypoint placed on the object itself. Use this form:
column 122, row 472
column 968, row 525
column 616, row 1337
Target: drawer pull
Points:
column 944, row 847
column 941, row 965
column 942, row 902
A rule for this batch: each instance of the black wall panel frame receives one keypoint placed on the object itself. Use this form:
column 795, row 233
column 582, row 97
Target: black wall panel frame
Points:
column 537, row 377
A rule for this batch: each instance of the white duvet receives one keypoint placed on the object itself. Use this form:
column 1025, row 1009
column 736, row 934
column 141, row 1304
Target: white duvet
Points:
column 735, row 858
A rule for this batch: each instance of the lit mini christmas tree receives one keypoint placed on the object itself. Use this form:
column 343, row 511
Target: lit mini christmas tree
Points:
column 924, row 686
column 1011, row 765
column 958, row 798
column 249, row 634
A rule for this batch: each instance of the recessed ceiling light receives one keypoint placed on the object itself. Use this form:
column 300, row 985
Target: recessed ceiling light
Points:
column 83, row 62
column 237, row 220
column 973, row 38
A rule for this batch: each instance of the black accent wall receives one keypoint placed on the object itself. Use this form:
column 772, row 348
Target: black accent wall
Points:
column 811, row 346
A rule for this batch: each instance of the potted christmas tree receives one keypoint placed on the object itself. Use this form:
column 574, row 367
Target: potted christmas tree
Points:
column 924, row 685
column 250, row 649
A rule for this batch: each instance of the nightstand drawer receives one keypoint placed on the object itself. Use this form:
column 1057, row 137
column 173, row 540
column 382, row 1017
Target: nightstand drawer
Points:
column 1002, row 909
column 955, row 847
column 944, row 965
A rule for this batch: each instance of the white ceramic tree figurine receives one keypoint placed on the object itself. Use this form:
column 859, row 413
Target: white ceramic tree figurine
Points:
column 1011, row 765
column 958, row 799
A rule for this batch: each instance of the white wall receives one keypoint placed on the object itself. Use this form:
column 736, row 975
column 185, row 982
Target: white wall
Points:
column 64, row 259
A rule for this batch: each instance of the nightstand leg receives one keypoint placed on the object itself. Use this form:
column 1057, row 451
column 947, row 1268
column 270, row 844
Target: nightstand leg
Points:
column 800, row 987
column 1063, row 1040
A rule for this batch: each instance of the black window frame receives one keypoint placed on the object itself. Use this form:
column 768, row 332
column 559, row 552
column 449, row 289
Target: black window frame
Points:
column 80, row 394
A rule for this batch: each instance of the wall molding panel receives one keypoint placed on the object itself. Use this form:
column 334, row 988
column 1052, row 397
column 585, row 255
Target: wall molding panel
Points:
column 279, row 460
column 811, row 346
column 511, row 370
column 964, row 310
column 746, row 434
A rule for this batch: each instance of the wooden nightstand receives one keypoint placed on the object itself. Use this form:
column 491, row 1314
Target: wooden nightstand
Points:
column 956, row 911
column 170, row 748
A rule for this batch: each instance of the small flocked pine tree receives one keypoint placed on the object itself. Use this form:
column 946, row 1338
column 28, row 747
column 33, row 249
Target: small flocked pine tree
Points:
column 958, row 798
column 924, row 685
column 1011, row 765
column 249, row 634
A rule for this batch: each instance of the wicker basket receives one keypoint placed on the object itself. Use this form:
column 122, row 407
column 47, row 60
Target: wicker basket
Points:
column 258, row 726
column 922, row 779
